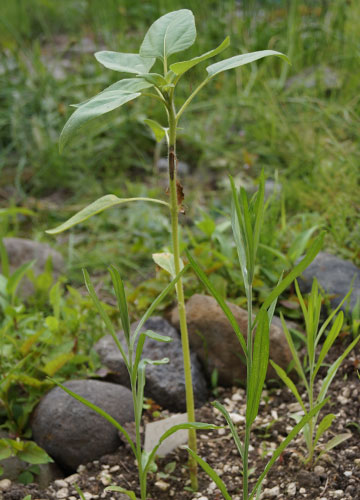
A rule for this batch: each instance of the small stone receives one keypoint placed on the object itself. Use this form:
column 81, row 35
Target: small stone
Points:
column 338, row 493
column 81, row 468
column 357, row 462
column 115, row 468
column 291, row 489
column 60, row 483
column 348, row 473
column 72, row 479
column 203, row 498
column 62, row 493
column 342, row 400
column 302, row 491
column 221, row 431
column 271, row 492
column 319, row 470
column 236, row 397
column 162, row 485
column 236, row 418
column 5, row 484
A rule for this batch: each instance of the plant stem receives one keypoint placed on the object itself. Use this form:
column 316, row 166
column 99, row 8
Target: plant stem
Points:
column 174, row 209
column 248, row 372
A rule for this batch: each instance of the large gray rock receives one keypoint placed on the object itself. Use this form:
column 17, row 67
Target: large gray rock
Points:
column 335, row 276
column 164, row 383
column 73, row 434
column 213, row 339
column 21, row 250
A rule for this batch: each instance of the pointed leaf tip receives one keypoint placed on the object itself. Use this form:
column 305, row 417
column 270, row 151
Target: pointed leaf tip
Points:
column 241, row 60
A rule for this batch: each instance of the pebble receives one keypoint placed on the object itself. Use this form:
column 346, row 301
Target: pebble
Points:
column 236, row 397
column 236, row 418
column 302, row 491
column 60, row 483
column 72, row 479
column 114, row 468
column 5, row 484
column 62, row 493
column 291, row 489
column 342, row 400
column 338, row 493
column 203, row 498
column 319, row 470
column 162, row 485
column 271, row 492
column 348, row 473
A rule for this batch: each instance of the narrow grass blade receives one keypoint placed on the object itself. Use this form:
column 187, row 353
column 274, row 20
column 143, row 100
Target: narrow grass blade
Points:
column 206, row 282
column 100, row 411
column 121, row 300
column 17, row 276
column 335, row 441
column 104, row 316
column 330, row 317
column 295, row 356
column 156, row 302
column 323, row 426
column 234, row 433
column 288, row 382
column 212, row 474
column 298, row 269
column 306, row 418
column 330, row 339
column 259, row 212
column 5, row 269
column 258, row 367
column 103, row 203
column 333, row 369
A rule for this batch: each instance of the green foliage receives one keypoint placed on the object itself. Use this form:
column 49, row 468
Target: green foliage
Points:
column 313, row 431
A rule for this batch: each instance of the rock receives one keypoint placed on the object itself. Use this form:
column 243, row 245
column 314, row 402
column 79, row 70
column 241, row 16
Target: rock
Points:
column 21, row 250
column 164, row 383
column 213, row 339
column 5, row 484
column 270, row 492
column 335, row 276
column 73, row 434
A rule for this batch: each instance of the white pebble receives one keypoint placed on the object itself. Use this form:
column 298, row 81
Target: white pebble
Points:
column 319, row 470
column 338, row 493
column 5, row 484
column 236, row 397
column 203, row 498
column 291, row 489
column 60, row 483
column 348, row 473
column 271, row 492
column 62, row 493
column 236, row 418
column 72, row 479
column 162, row 485
column 114, row 468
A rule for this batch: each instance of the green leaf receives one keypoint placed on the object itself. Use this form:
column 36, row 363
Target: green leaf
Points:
column 181, row 67
column 104, row 316
column 4, row 258
column 121, row 300
column 129, row 493
column 300, row 242
column 335, row 441
column 127, row 84
column 155, row 79
column 1, row 470
column 17, row 276
column 226, row 309
column 6, row 450
column 159, row 130
column 330, row 339
column 165, row 260
column 100, row 411
column 80, row 493
column 33, row 454
column 258, row 367
column 97, row 106
column 287, row 381
column 103, row 203
column 296, row 271
column 333, row 369
column 211, row 473
column 157, row 336
column 171, row 33
column 240, row 60
column 233, row 431
column 306, row 418
column 54, row 365
column 125, row 63
column 323, row 426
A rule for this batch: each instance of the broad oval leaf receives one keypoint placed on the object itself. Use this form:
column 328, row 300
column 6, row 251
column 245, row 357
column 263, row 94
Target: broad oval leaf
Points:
column 181, row 67
column 33, row 454
column 97, row 106
column 171, row 33
column 125, row 63
column 107, row 201
column 241, row 60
